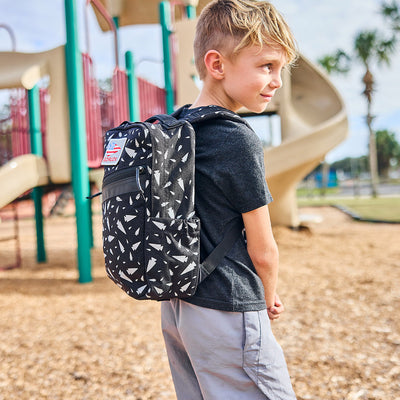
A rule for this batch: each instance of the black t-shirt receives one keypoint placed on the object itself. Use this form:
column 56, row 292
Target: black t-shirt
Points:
column 230, row 180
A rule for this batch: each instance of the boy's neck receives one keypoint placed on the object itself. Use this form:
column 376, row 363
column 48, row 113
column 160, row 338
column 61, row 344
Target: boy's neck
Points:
column 214, row 97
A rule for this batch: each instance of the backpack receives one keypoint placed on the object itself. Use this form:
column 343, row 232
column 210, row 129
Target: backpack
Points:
column 151, row 234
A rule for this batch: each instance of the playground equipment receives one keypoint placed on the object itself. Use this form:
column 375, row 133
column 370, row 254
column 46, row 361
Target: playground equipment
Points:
column 9, row 212
column 312, row 114
column 71, row 143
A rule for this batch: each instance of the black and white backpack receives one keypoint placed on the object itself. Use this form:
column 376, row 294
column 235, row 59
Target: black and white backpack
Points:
column 151, row 234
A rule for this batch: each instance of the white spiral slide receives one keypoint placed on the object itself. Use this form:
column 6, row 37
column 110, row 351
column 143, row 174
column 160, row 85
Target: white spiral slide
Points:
column 313, row 122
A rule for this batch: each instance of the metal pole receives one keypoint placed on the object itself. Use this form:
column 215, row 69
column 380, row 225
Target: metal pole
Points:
column 79, row 165
column 113, row 23
column 37, row 149
column 373, row 159
column 191, row 12
column 116, row 40
column 134, row 112
column 165, row 20
column 12, row 36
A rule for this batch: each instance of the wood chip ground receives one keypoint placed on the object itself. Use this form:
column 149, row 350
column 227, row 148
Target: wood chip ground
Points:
column 339, row 280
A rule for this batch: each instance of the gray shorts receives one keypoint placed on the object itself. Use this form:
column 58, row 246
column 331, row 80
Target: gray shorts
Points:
column 223, row 355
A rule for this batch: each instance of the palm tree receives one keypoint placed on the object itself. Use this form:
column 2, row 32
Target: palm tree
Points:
column 338, row 62
column 369, row 47
column 391, row 11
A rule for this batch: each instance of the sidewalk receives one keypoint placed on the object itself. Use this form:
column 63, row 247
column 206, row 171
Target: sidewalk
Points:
column 347, row 189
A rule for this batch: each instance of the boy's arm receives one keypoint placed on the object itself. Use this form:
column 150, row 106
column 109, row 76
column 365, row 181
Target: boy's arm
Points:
column 263, row 252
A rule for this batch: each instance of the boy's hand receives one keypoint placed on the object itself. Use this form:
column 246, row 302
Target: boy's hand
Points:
column 275, row 310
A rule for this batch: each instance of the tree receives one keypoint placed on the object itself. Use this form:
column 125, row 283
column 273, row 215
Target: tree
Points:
column 369, row 47
column 391, row 11
column 353, row 166
column 337, row 62
column 388, row 150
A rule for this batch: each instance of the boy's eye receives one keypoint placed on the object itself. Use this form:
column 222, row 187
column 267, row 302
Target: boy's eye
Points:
column 267, row 66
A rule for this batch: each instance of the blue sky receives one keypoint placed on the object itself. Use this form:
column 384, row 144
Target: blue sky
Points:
column 319, row 26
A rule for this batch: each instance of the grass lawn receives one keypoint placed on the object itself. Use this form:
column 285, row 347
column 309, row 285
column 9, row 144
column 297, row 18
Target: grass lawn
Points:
column 381, row 208
column 306, row 192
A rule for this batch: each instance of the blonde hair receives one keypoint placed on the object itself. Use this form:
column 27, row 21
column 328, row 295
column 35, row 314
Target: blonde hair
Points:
column 247, row 23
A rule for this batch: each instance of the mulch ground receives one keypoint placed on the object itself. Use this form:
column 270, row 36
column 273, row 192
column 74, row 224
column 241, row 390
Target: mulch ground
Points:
column 339, row 280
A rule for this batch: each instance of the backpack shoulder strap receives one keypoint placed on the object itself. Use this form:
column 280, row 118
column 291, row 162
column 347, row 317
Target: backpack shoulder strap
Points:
column 198, row 115
column 212, row 112
column 233, row 231
column 234, row 228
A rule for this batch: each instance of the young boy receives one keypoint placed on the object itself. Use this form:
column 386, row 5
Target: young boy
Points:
column 219, row 342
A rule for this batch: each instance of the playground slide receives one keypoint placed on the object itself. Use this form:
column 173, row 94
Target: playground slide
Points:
column 24, row 70
column 21, row 174
column 313, row 122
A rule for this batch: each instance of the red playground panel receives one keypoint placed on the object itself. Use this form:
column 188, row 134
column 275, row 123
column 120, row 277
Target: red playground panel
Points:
column 103, row 110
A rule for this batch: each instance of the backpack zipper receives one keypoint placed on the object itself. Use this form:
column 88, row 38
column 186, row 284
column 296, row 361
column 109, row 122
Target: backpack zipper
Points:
column 123, row 173
column 116, row 177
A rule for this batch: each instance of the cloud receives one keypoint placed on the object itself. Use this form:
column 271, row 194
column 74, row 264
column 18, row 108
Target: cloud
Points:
column 325, row 26
column 38, row 25
column 322, row 27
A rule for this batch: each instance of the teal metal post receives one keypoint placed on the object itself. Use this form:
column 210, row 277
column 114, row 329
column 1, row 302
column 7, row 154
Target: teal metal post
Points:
column 133, row 95
column 79, row 165
column 165, row 20
column 37, row 149
column 191, row 12
column 116, row 22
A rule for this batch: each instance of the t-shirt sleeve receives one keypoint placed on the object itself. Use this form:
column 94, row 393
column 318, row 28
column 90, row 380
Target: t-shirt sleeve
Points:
column 242, row 174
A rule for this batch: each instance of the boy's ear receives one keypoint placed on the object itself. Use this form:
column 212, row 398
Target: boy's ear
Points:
column 213, row 61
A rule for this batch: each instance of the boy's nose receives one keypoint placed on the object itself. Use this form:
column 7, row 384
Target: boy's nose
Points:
column 276, row 81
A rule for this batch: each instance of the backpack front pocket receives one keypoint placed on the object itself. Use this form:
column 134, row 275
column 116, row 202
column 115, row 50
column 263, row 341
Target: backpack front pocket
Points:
column 123, row 228
column 172, row 256
column 125, row 181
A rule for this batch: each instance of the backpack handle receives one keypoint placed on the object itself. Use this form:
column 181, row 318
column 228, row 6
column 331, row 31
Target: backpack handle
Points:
column 165, row 119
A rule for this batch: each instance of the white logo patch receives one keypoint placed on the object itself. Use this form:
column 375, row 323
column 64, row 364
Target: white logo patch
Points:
column 113, row 151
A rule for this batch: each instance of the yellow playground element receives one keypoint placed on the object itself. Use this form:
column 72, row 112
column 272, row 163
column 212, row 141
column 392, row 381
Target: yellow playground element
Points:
column 21, row 174
column 24, row 70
